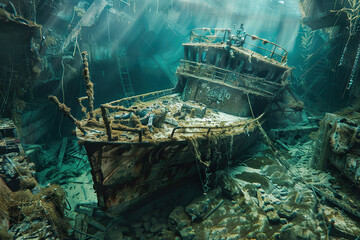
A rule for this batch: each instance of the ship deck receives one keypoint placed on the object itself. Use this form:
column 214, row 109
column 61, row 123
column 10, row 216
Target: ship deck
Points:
column 173, row 119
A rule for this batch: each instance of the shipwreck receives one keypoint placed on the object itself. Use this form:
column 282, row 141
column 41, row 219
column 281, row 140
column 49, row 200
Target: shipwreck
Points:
column 143, row 144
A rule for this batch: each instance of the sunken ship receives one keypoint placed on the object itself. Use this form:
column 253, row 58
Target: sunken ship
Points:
column 143, row 144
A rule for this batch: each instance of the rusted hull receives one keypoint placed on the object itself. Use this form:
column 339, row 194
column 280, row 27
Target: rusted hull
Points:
column 127, row 174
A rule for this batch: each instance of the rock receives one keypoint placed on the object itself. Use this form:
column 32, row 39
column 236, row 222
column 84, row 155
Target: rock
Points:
column 270, row 169
column 286, row 208
column 157, row 227
column 273, row 217
column 243, row 220
column 198, row 208
column 220, row 211
column 218, row 232
column 283, row 221
column 258, row 185
column 231, row 212
column 178, row 219
column 187, row 233
column 230, row 188
column 167, row 235
column 286, row 214
column 258, row 235
column 242, row 228
column 276, row 236
column 320, row 216
column 286, row 226
column 283, row 193
column 296, row 232
column 232, row 237
column 268, row 208
column 283, row 198
column 228, row 221
column 201, row 206
column 266, row 201
column 281, row 179
column 208, row 223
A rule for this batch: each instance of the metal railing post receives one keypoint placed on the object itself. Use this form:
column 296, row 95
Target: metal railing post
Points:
column 106, row 122
column 272, row 54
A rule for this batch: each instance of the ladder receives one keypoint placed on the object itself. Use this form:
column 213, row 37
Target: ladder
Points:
column 124, row 74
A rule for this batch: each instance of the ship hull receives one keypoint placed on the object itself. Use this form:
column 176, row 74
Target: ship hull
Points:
column 125, row 175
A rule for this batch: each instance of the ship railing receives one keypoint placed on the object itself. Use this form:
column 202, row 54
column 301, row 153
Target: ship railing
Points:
column 209, row 35
column 217, row 35
column 128, row 101
column 216, row 129
column 251, row 84
column 123, row 105
column 272, row 52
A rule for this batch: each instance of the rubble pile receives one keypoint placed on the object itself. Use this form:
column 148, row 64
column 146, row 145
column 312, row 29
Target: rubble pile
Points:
column 26, row 210
column 266, row 197
column 257, row 201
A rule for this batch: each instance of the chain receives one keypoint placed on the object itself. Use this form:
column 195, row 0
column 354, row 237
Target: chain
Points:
column 354, row 69
column 343, row 54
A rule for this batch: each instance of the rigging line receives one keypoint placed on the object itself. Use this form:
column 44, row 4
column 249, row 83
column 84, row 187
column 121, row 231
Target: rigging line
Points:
column 34, row 11
column 72, row 19
column 63, row 94
column 261, row 128
column 280, row 158
column 10, row 82
column 62, row 79
column 125, row 2
column 75, row 45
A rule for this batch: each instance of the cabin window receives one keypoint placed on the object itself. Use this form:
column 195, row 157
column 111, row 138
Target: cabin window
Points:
column 263, row 74
column 186, row 53
column 192, row 55
column 213, row 58
column 218, row 59
column 276, row 75
column 233, row 63
column 203, row 57
column 249, row 69
column 241, row 65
